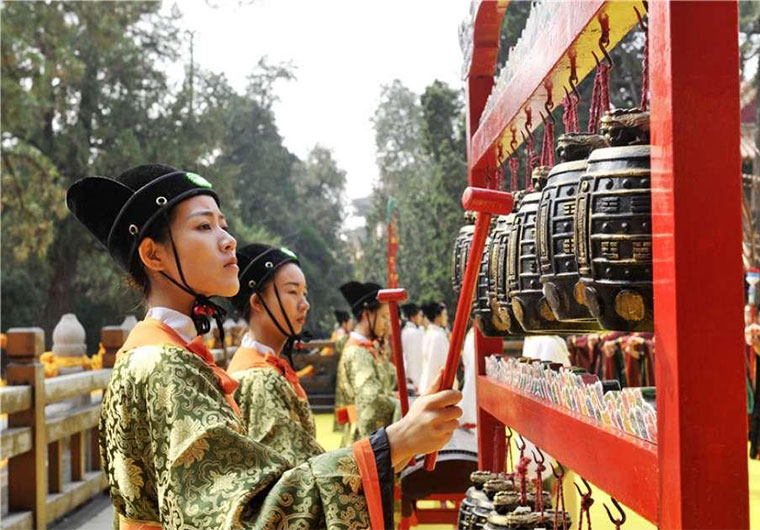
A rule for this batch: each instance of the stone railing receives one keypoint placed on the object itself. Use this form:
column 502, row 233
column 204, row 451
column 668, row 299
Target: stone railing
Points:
column 51, row 439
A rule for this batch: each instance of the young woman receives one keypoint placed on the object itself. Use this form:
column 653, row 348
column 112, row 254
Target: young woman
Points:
column 364, row 389
column 172, row 441
column 273, row 299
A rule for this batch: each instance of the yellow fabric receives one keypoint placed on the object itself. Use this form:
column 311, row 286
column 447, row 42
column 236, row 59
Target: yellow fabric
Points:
column 53, row 363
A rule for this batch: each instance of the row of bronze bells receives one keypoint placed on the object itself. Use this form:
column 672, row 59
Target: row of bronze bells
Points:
column 494, row 503
column 576, row 254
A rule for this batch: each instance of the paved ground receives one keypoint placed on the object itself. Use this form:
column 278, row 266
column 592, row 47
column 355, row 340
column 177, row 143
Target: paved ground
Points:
column 95, row 515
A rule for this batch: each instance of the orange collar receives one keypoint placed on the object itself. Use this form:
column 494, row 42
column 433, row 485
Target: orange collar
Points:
column 366, row 344
column 151, row 332
column 246, row 358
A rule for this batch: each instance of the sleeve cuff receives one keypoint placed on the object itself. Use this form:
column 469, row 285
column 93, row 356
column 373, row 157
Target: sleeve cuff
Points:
column 382, row 449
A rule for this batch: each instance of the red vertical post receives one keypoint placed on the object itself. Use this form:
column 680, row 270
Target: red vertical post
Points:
column 491, row 447
column 491, row 432
column 696, row 217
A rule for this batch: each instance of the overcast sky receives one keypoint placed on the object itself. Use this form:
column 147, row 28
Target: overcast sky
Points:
column 343, row 52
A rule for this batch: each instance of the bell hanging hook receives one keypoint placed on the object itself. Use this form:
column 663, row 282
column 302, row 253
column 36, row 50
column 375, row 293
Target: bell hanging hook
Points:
column 617, row 522
column 588, row 488
column 558, row 471
column 573, row 81
column 640, row 18
column 604, row 41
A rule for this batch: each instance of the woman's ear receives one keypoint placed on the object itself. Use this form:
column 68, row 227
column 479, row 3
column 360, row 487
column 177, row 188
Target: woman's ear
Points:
column 254, row 302
column 152, row 255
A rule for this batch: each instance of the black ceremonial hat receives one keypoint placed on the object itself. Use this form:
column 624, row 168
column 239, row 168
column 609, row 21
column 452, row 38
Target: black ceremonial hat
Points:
column 257, row 263
column 359, row 294
column 120, row 211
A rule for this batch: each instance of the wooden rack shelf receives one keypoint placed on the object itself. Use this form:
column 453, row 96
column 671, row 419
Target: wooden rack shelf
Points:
column 592, row 450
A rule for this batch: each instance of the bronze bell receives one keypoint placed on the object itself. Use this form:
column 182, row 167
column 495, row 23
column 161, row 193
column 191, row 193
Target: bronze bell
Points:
column 554, row 241
column 474, row 495
column 461, row 251
column 613, row 228
column 529, row 305
column 491, row 310
column 484, row 508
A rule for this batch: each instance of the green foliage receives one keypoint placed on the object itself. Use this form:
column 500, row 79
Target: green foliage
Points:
column 421, row 157
column 84, row 92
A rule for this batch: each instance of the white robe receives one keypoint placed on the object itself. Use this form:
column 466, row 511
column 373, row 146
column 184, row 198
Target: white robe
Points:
column 411, row 343
column 435, row 349
column 469, row 403
column 546, row 348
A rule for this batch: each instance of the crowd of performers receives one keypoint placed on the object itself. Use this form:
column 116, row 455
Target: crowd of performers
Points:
column 187, row 444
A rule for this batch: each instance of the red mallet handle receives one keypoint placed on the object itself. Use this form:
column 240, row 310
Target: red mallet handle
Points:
column 392, row 297
column 485, row 202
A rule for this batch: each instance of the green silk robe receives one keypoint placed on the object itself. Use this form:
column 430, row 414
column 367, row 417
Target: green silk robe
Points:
column 363, row 382
column 275, row 411
column 176, row 455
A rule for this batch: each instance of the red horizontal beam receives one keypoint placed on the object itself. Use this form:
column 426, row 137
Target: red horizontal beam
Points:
column 574, row 30
column 622, row 465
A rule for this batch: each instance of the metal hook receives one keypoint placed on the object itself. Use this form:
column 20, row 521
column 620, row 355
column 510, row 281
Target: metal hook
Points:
column 640, row 18
column 617, row 522
column 574, row 77
column 610, row 62
column 548, row 109
column 522, row 440
column 528, row 124
column 574, row 87
column 561, row 469
column 588, row 488
column 604, row 40
column 549, row 105
column 535, row 456
column 513, row 146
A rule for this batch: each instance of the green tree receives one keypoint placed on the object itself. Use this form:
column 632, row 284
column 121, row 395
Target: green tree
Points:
column 72, row 74
column 421, row 157
column 84, row 92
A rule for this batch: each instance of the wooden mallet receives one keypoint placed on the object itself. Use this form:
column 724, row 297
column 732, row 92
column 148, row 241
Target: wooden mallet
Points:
column 393, row 297
column 487, row 203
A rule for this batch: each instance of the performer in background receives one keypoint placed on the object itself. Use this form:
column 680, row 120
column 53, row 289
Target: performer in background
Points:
column 411, row 343
column 364, row 397
column 340, row 334
column 274, row 405
column 435, row 343
column 172, row 442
